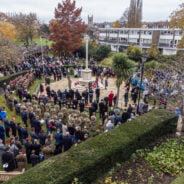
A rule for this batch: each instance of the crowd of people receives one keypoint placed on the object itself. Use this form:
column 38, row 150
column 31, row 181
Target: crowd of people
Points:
column 161, row 87
column 53, row 121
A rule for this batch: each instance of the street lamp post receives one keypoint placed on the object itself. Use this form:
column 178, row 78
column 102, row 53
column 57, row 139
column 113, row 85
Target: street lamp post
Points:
column 143, row 60
column 42, row 53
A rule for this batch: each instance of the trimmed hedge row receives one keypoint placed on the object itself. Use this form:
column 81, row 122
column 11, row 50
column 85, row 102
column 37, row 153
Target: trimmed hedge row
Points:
column 11, row 77
column 179, row 180
column 91, row 159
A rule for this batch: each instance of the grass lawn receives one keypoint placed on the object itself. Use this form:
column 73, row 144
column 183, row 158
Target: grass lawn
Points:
column 37, row 41
column 10, row 114
column 45, row 42
column 32, row 89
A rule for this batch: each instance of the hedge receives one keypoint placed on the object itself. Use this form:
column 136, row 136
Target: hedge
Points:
column 179, row 180
column 91, row 159
column 11, row 77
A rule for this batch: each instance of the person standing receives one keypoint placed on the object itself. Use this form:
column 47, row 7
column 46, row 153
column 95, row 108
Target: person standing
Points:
column 91, row 95
column 77, row 95
column 21, row 161
column 109, row 126
column 75, row 103
column 7, row 126
column 13, row 148
column 20, row 91
column 34, row 159
column 130, row 109
column 114, row 100
column 28, row 147
column 8, row 160
column 81, row 106
column 48, row 91
column 19, row 129
column 41, row 88
column 67, row 142
column 4, row 86
column 111, row 96
column 134, row 94
column 126, row 98
column 86, row 96
column 125, row 116
column 101, row 108
column 24, row 133
column 42, row 137
column 2, row 132
column 106, row 83
column 37, row 125
column 96, row 81
column 58, row 141
column 31, row 117
column 36, row 147
column 95, row 106
column 2, row 148
column 24, row 117
column 97, row 91
column 13, row 127
column 91, row 111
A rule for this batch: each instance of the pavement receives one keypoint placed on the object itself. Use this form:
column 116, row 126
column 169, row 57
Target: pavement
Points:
column 63, row 84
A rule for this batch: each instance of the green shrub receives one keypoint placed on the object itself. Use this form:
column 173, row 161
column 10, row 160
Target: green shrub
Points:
column 11, row 77
column 107, row 62
column 151, row 65
column 166, row 158
column 166, row 58
column 101, row 52
column 134, row 53
column 153, row 52
column 91, row 159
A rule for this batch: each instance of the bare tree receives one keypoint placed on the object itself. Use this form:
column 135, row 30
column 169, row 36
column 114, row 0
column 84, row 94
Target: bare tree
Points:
column 124, row 18
column 26, row 25
column 10, row 53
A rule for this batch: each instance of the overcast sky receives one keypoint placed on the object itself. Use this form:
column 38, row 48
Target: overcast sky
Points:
column 103, row 10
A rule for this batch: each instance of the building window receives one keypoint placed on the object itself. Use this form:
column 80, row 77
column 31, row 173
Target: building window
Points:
column 147, row 41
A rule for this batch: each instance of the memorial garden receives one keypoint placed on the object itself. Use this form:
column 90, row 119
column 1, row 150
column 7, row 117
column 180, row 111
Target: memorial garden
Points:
column 72, row 111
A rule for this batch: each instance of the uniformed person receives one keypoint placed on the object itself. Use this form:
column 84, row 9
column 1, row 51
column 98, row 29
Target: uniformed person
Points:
column 21, row 161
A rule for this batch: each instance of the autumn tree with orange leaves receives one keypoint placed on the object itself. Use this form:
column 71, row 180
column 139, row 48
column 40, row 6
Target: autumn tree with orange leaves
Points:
column 7, row 30
column 67, row 28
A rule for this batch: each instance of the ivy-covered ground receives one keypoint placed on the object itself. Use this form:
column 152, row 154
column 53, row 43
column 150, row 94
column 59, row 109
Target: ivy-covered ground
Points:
column 160, row 163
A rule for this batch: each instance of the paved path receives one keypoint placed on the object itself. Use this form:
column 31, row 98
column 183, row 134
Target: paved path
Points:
column 63, row 84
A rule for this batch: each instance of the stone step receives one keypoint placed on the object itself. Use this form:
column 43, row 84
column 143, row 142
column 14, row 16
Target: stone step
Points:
column 4, row 176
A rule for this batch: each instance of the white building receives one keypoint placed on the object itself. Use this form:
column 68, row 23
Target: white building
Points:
column 120, row 38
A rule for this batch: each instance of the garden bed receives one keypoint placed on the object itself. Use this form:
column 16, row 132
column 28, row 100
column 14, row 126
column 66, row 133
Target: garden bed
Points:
column 138, row 170
column 10, row 77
